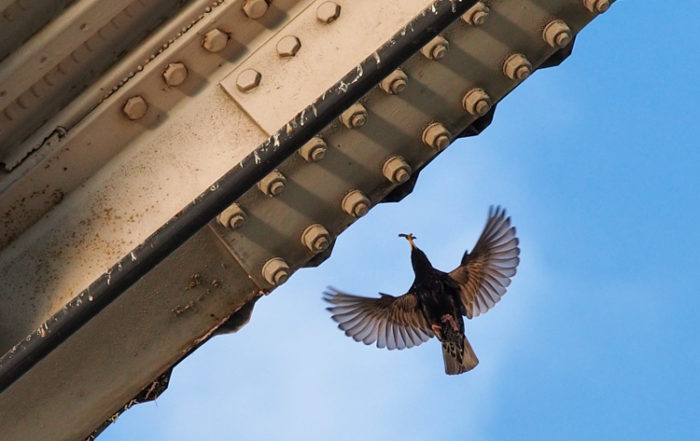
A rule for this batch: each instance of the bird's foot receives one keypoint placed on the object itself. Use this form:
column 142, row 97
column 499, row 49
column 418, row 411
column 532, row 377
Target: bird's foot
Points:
column 451, row 320
column 437, row 331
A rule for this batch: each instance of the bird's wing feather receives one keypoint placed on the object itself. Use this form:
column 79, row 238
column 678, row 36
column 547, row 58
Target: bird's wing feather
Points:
column 391, row 322
column 485, row 273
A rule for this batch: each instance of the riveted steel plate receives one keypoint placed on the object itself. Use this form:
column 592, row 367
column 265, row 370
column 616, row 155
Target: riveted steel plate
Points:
column 328, row 51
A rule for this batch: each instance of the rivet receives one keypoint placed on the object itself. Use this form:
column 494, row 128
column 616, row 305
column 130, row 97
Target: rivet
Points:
column 477, row 102
column 476, row 15
column 135, row 107
column 436, row 136
column 557, row 33
column 248, row 80
column 436, row 49
column 517, row 67
column 272, row 184
column 314, row 150
column 355, row 203
column 175, row 74
column 395, row 82
column 288, row 46
column 255, row 8
column 215, row 40
column 232, row 217
column 316, row 238
column 328, row 12
column 354, row 117
column 396, row 170
column 275, row 271
column 596, row 6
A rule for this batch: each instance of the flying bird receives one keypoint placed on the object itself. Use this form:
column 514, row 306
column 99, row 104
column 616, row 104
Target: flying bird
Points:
column 436, row 302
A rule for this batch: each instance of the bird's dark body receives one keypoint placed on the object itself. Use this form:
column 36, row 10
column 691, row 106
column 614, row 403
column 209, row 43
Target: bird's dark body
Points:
column 435, row 304
column 438, row 294
column 440, row 304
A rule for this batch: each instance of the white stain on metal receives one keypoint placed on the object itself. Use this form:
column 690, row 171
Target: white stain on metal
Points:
column 343, row 86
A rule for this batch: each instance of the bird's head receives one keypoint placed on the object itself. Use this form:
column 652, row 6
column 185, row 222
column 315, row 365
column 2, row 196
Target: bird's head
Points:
column 418, row 258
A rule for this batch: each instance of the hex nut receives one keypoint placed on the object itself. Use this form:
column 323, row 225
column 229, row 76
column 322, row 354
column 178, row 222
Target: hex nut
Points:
column 436, row 49
column 396, row 170
column 232, row 217
column 175, row 74
column 436, row 136
column 517, row 67
column 272, row 184
column 215, row 40
column 275, row 271
column 355, row 203
column 255, row 8
column 476, row 15
column 394, row 83
column 476, row 102
column 288, row 46
column 314, row 150
column 316, row 238
column 557, row 34
column 596, row 6
column 248, row 80
column 328, row 12
column 354, row 117
column 135, row 107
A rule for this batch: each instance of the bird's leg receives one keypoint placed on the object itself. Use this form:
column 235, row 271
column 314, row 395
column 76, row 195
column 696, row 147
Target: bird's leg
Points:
column 451, row 320
column 437, row 331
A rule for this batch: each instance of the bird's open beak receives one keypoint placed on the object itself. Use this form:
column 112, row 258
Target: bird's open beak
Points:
column 410, row 237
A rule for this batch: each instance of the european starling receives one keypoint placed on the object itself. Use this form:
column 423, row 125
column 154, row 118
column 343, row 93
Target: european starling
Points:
column 436, row 302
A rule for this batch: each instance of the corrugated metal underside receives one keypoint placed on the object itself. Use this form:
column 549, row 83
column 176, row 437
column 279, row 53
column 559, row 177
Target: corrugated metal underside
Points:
column 88, row 193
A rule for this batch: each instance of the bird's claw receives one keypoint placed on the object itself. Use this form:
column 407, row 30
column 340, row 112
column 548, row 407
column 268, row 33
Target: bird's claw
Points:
column 437, row 331
column 451, row 320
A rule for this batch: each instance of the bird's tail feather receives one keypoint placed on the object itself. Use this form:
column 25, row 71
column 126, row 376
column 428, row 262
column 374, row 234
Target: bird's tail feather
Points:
column 459, row 357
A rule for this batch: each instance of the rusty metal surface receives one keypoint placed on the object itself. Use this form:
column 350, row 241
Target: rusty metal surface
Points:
column 162, row 155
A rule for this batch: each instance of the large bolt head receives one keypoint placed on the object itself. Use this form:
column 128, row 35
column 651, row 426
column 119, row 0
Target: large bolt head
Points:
column 316, row 238
column 232, row 217
column 517, row 67
column 355, row 203
column 255, row 8
column 396, row 170
column 175, row 74
column 354, row 117
column 596, row 6
column 328, row 12
column 135, row 107
column 275, row 271
column 248, row 80
column 436, row 49
column 477, row 102
column 215, row 40
column 557, row 34
column 314, row 150
column 288, row 46
column 436, row 136
column 395, row 82
column 272, row 184
column 476, row 15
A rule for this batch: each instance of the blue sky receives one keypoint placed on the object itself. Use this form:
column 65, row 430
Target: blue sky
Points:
column 598, row 163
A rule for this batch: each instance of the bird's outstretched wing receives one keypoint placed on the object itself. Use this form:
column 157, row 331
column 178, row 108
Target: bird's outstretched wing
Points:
column 485, row 273
column 392, row 322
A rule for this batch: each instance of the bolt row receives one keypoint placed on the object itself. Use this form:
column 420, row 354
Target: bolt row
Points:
column 395, row 169
column 216, row 40
column 287, row 46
